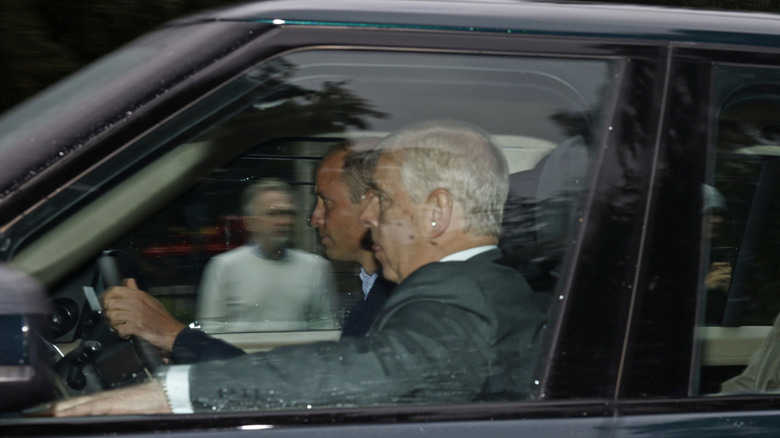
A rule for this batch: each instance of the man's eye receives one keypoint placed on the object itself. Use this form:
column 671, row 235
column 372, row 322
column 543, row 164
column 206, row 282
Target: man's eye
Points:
column 380, row 196
column 384, row 200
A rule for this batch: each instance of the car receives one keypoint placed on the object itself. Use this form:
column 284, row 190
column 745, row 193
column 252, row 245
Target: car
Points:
column 643, row 145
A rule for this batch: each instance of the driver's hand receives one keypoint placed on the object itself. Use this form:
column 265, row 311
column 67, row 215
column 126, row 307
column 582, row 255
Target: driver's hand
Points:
column 131, row 311
column 147, row 398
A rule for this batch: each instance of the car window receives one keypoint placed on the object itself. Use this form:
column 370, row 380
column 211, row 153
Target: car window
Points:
column 173, row 203
column 739, row 275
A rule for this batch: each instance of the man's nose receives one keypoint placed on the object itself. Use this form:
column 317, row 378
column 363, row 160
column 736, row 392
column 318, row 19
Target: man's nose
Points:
column 316, row 219
column 368, row 217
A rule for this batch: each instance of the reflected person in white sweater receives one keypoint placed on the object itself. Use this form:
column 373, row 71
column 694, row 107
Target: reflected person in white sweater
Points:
column 264, row 285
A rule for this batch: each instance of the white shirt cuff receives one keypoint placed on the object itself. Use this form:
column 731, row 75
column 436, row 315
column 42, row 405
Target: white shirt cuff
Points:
column 177, row 388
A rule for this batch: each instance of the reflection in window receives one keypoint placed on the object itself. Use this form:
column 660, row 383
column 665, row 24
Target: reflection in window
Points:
column 281, row 118
column 287, row 113
column 741, row 213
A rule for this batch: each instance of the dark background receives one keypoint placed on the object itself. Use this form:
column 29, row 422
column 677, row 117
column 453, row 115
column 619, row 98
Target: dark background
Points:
column 41, row 41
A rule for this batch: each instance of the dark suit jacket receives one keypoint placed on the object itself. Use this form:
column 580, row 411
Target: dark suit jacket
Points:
column 450, row 332
column 364, row 312
column 192, row 346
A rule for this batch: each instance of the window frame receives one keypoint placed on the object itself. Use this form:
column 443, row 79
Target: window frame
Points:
column 685, row 140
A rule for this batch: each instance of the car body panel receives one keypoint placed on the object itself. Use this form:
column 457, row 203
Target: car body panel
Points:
column 560, row 18
column 624, row 367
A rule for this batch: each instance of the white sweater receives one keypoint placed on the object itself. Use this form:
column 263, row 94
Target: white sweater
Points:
column 243, row 292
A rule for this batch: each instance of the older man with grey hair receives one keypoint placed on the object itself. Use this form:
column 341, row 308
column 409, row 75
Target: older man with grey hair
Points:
column 459, row 327
column 452, row 178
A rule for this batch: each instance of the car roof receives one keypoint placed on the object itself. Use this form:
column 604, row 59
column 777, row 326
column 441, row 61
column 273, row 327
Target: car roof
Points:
column 517, row 16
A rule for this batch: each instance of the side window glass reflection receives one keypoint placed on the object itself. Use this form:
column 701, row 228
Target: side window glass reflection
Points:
column 740, row 216
column 280, row 238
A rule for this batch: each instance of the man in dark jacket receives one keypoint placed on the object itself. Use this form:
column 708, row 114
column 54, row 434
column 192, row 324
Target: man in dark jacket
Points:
column 459, row 327
column 343, row 177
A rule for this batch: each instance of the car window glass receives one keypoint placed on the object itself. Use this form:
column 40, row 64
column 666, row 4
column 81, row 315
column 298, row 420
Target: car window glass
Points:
column 183, row 184
column 553, row 109
column 740, row 238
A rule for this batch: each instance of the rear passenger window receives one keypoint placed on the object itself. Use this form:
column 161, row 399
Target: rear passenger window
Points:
column 740, row 266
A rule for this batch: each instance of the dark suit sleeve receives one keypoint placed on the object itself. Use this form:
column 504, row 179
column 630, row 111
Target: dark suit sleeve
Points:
column 396, row 366
column 435, row 342
column 192, row 346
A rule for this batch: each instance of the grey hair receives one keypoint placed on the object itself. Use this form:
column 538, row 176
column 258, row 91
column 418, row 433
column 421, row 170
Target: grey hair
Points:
column 262, row 186
column 459, row 158
column 360, row 161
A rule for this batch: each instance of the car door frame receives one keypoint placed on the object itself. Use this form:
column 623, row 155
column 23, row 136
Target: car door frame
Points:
column 575, row 384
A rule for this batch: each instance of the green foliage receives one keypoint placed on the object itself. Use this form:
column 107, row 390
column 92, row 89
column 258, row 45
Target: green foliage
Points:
column 43, row 40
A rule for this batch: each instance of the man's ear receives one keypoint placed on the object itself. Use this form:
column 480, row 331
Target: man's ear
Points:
column 440, row 206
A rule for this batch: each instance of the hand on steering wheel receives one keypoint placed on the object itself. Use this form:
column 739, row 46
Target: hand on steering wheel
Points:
column 133, row 312
column 150, row 356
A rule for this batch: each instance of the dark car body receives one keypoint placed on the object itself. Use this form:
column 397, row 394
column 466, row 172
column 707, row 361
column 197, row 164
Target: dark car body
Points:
column 626, row 348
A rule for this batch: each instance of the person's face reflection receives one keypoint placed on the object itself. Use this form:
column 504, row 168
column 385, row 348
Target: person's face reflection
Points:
column 712, row 223
column 394, row 220
column 272, row 222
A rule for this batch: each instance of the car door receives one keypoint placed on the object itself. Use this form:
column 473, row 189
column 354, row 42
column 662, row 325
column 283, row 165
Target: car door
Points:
column 707, row 299
column 578, row 120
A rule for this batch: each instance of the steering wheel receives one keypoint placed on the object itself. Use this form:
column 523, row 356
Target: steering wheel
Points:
column 108, row 268
column 103, row 360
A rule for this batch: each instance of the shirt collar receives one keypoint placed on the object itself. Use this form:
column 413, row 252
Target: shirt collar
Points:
column 467, row 253
column 367, row 281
